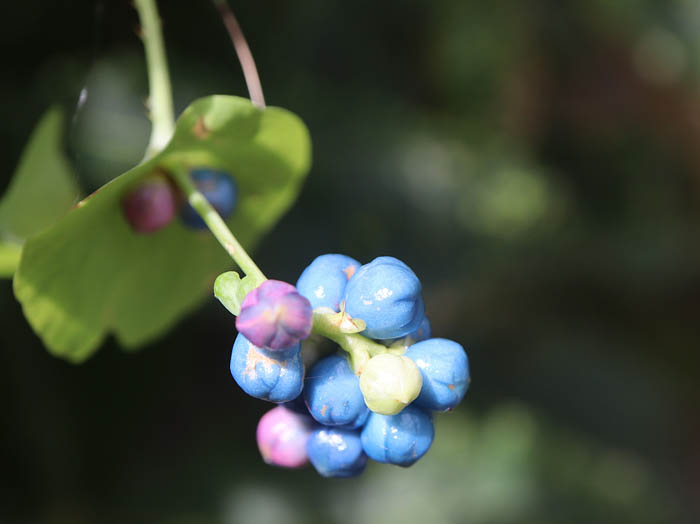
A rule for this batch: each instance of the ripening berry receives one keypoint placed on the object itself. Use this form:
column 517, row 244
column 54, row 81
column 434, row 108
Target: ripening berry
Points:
column 275, row 316
column 323, row 282
column 219, row 188
column 444, row 367
column 282, row 436
column 151, row 205
column 398, row 439
column 277, row 376
column 332, row 393
column 386, row 294
column 389, row 383
column 336, row 452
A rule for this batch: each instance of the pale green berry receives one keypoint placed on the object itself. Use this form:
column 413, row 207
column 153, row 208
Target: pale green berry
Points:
column 389, row 383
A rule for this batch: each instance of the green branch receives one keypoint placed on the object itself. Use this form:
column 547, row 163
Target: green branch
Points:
column 160, row 99
column 162, row 116
column 360, row 348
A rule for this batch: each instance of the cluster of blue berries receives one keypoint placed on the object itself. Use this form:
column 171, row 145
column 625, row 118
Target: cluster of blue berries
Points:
column 346, row 409
column 155, row 202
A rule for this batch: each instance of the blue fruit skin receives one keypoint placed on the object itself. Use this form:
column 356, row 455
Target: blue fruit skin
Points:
column 336, row 452
column 332, row 393
column 399, row 439
column 220, row 190
column 386, row 294
column 277, row 376
column 323, row 281
column 423, row 332
column 445, row 369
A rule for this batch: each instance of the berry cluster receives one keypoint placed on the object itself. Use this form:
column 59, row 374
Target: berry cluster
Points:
column 374, row 402
column 153, row 204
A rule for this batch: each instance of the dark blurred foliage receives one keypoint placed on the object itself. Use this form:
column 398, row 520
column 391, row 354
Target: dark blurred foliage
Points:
column 536, row 162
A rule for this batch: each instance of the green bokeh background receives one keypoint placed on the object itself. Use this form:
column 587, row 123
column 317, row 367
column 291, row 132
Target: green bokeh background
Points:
column 537, row 164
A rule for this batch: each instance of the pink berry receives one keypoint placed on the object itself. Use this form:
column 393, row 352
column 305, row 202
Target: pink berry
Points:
column 282, row 435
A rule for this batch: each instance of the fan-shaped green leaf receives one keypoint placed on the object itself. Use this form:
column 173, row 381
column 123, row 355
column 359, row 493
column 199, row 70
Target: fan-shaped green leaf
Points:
column 90, row 274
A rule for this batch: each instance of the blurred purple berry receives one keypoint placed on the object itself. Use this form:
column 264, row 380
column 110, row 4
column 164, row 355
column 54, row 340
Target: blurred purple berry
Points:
column 282, row 436
column 275, row 316
column 151, row 205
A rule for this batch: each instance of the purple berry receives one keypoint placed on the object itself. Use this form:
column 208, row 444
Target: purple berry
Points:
column 151, row 205
column 282, row 436
column 275, row 316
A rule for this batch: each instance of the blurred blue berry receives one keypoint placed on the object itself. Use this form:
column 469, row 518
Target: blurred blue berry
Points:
column 332, row 393
column 399, row 439
column 220, row 190
column 275, row 316
column 386, row 294
column 323, row 281
column 277, row 376
column 445, row 370
column 336, row 452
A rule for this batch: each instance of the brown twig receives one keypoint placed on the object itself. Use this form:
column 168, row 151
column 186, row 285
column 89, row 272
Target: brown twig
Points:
column 245, row 57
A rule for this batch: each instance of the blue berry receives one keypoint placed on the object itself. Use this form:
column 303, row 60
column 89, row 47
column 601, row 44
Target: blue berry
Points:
column 445, row 370
column 422, row 333
column 386, row 294
column 220, row 190
column 399, row 439
column 277, row 376
column 323, row 281
column 332, row 393
column 336, row 452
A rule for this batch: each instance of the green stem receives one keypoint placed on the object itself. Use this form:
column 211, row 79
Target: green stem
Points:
column 162, row 116
column 215, row 223
column 161, row 99
column 360, row 348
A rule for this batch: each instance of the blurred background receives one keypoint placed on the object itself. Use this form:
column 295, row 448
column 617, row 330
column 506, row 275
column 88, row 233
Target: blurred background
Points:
column 537, row 163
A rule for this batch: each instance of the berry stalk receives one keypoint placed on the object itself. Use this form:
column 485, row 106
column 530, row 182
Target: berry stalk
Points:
column 215, row 223
column 160, row 99
column 360, row 348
